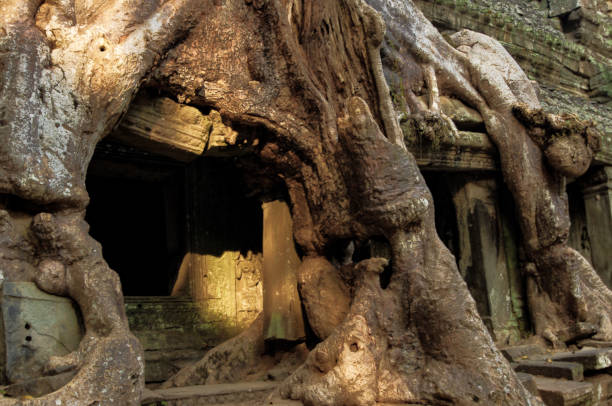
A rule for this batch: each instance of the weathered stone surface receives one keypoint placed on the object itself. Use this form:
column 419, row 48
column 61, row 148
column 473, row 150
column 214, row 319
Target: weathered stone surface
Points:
column 560, row 7
column 211, row 394
column 521, row 352
column 598, row 207
column 163, row 126
column 558, row 392
column 249, row 288
column 483, row 260
column 173, row 332
column 602, row 387
column 591, row 359
column 149, row 315
column 37, row 326
column 471, row 151
column 594, row 343
column 528, row 381
column 561, row 370
column 536, row 41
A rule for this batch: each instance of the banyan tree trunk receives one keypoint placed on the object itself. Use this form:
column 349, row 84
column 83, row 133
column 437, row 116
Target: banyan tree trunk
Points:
column 307, row 79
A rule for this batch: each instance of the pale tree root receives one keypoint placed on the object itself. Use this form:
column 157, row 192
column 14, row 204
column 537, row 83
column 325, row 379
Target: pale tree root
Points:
column 582, row 304
column 109, row 361
column 537, row 151
column 388, row 349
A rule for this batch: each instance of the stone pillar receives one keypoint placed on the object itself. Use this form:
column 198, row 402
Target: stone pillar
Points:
column 283, row 318
column 598, row 206
column 485, row 257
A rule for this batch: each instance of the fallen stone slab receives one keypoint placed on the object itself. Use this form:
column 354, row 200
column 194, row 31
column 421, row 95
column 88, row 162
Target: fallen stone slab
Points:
column 594, row 344
column 210, row 394
column 591, row 359
column 521, row 352
column 560, row 392
column 561, row 370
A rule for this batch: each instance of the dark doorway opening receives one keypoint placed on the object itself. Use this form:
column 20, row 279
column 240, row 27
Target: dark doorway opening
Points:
column 137, row 213
column 445, row 215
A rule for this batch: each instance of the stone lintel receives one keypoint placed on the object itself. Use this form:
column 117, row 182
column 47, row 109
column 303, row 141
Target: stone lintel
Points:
column 471, row 151
column 161, row 125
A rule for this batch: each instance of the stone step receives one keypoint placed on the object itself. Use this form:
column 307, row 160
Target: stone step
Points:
column 517, row 353
column 592, row 359
column 561, row 370
column 560, row 392
column 602, row 387
column 234, row 393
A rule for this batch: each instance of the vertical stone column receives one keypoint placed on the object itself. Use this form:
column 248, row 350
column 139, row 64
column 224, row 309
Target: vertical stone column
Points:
column 598, row 206
column 282, row 307
column 482, row 254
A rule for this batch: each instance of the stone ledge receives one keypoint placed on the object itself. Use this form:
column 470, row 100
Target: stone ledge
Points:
column 210, row 394
column 562, row 370
column 472, row 151
column 559, row 392
column 591, row 359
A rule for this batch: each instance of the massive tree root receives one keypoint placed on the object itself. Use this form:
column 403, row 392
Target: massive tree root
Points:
column 537, row 151
column 419, row 339
column 566, row 290
column 109, row 362
column 68, row 72
column 388, row 349
column 306, row 78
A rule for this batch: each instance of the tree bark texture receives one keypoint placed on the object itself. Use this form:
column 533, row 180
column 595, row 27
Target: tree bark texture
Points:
column 68, row 71
column 306, row 79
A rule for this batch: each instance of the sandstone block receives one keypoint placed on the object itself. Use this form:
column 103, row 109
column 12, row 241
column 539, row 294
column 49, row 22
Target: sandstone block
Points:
column 521, row 352
column 591, row 359
column 559, row 392
column 562, row 370
column 36, row 326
